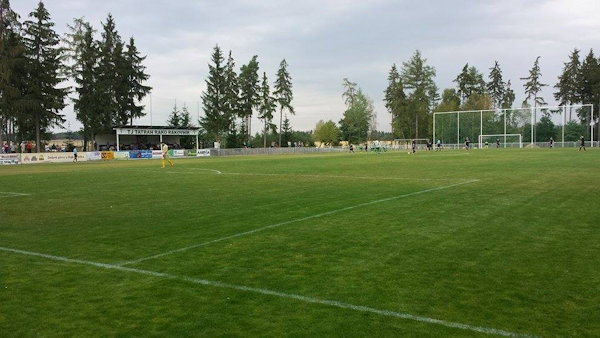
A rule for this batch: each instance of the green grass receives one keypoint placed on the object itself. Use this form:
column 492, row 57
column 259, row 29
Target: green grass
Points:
column 518, row 250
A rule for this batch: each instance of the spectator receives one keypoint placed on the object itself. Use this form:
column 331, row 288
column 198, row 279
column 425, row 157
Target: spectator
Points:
column 29, row 146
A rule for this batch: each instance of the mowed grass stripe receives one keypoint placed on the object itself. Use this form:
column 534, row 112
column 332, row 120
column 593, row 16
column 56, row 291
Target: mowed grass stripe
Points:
column 250, row 232
column 333, row 303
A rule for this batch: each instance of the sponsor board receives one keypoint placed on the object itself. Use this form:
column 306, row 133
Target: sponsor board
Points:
column 63, row 157
column 9, row 159
column 107, row 155
column 156, row 153
column 93, row 155
column 140, row 154
column 190, row 152
column 121, row 155
column 203, row 152
column 178, row 153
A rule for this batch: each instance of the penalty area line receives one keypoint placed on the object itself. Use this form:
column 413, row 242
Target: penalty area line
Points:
column 327, row 213
column 267, row 292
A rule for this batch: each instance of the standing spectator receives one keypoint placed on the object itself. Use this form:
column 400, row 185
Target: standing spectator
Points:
column 551, row 142
column 29, row 146
column 74, row 154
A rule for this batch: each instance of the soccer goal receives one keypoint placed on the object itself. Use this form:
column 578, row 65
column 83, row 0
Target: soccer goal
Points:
column 507, row 140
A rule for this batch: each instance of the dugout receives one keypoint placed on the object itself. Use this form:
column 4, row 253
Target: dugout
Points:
column 144, row 137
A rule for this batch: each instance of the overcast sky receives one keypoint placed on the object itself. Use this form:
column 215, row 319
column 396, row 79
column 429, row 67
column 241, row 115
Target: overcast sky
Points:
column 324, row 41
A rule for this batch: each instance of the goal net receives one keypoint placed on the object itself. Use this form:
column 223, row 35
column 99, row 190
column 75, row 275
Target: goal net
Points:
column 536, row 125
column 501, row 140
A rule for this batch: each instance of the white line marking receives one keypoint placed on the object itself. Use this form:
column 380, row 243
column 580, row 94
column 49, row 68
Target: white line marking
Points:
column 294, row 221
column 349, row 177
column 5, row 194
column 333, row 303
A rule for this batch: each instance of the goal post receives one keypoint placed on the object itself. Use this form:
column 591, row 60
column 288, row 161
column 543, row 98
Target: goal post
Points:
column 491, row 139
column 406, row 143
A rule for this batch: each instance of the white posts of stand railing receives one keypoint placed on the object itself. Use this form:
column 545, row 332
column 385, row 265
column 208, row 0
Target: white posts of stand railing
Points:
column 117, row 141
column 197, row 144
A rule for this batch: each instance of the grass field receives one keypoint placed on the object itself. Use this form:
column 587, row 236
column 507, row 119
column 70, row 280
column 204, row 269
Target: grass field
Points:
column 452, row 243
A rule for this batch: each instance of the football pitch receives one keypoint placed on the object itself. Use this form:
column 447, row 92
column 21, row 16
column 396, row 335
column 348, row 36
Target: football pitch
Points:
column 453, row 243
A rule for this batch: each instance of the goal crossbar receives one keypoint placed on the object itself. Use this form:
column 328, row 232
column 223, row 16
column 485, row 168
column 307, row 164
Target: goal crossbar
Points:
column 480, row 140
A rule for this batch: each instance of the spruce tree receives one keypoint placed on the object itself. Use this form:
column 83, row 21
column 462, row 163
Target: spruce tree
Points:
column 588, row 90
column 249, row 93
column 215, row 120
column 84, row 55
column 174, row 119
column 533, row 87
column 509, row 96
column 266, row 108
column 286, row 132
column 496, row 85
column 232, row 98
column 135, row 76
column 12, row 69
column 45, row 71
column 108, row 76
column 395, row 103
column 418, row 80
column 569, row 81
column 283, row 94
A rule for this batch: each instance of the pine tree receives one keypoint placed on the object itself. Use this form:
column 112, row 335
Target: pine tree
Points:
column 418, row 80
column 588, row 90
column 533, row 87
column 283, row 93
column 84, row 54
column 108, row 76
column 174, row 119
column 135, row 76
column 469, row 82
column 215, row 120
column 232, row 96
column 249, row 93
column 286, row 132
column 44, row 68
column 569, row 81
column 395, row 103
column 12, row 69
column 509, row 96
column 267, row 107
column 496, row 85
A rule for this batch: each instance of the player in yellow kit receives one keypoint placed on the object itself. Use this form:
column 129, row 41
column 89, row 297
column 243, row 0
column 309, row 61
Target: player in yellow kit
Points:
column 165, row 155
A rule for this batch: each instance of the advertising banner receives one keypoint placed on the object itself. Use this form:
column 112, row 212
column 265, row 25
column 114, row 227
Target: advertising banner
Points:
column 33, row 158
column 156, row 153
column 9, row 159
column 93, row 155
column 191, row 152
column 107, row 155
column 140, row 154
column 121, row 155
column 203, row 152
column 178, row 153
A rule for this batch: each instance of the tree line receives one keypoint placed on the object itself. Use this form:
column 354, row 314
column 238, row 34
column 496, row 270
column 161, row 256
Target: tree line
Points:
column 231, row 99
column 35, row 62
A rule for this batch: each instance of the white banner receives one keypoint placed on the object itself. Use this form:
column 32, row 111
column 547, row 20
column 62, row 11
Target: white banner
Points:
column 93, row 155
column 178, row 153
column 138, row 131
column 121, row 155
column 9, row 159
column 156, row 153
column 203, row 152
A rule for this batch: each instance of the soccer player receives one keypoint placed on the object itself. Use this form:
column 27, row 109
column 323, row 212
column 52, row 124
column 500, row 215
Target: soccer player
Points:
column 165, row 155
column 467, row 143
column 551, row 142
column 581, row 143
column 414, row 146
column 439, row 145
column 497, row 142
column 75, row 154
column 351, row 148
